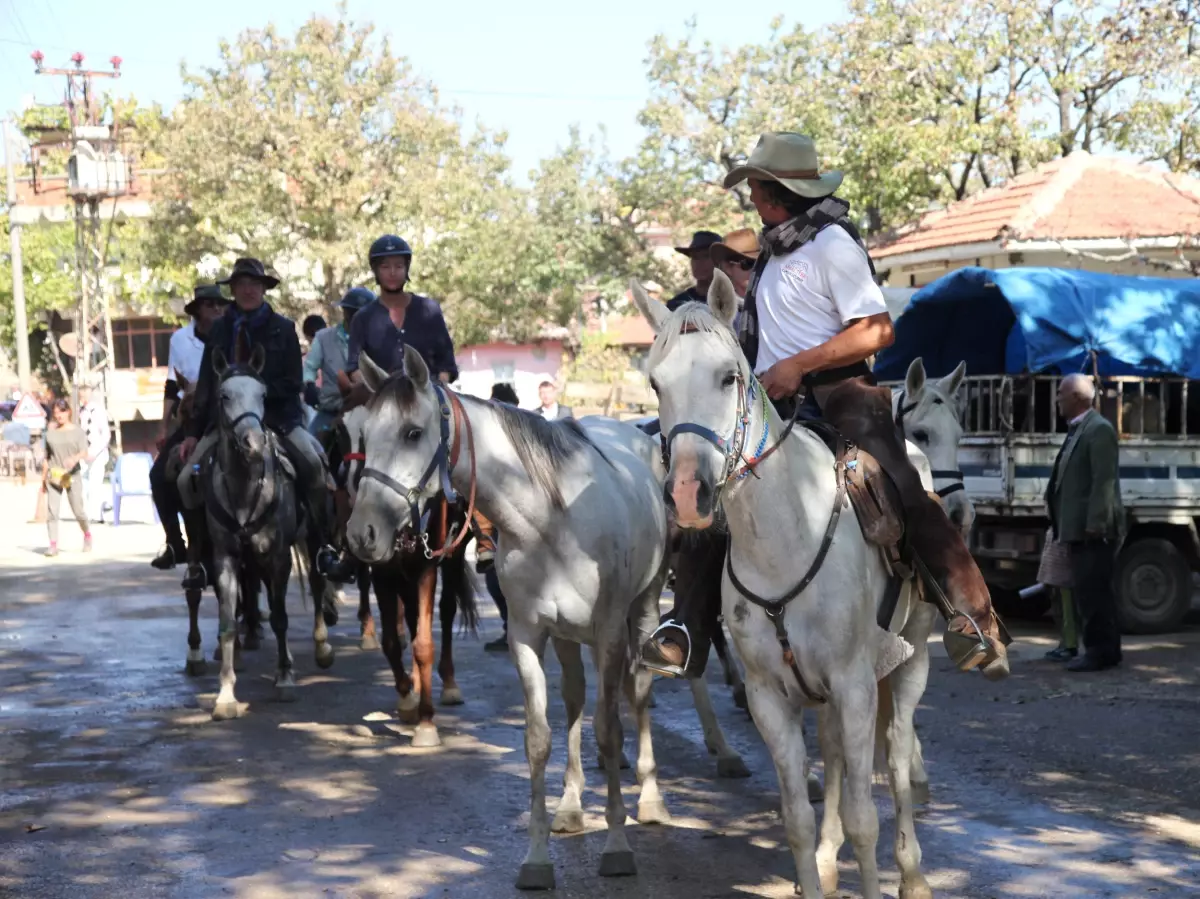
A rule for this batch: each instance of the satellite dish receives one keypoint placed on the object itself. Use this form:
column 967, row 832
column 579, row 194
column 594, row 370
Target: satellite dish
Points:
column 68, row 344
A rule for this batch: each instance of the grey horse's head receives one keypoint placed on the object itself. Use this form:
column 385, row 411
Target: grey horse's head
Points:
column 241, row 401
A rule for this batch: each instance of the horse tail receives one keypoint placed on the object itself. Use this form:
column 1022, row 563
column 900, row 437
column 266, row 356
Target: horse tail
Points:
column 456, row 583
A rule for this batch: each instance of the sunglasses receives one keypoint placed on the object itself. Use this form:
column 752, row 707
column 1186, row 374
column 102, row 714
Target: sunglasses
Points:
column 745, row 264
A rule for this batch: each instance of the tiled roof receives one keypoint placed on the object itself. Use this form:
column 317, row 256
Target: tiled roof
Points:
column 1078, row 197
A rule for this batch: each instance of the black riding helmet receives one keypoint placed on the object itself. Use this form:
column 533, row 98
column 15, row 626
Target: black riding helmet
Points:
column 389, row 245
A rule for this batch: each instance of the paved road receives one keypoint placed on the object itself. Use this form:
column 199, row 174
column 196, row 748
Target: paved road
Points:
column 114, row 782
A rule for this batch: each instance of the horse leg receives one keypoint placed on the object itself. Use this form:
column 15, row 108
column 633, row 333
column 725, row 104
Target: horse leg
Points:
column 366, row 621
column 729, row 763
column 251, row 613
column 617, row 858
column 829, row 734
column 323, row 600
column 387, row 594
column 426, row 733
column 196, row 666
column 855, row 704
column 729, row 664
column 779, row 723
column 651, row 808
column 919, row 777
column 569, row 817
column 285, row 677
column 227, row 596
column 528, row 651
column 897, row 704
column 447, row 607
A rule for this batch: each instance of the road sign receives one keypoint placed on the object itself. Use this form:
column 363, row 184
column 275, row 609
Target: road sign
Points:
column 30, row 413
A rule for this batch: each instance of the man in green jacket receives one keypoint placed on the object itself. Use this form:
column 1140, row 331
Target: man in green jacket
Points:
column 1084, row 498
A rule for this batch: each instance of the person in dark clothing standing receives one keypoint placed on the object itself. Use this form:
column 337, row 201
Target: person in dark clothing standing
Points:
column 702, row 269
column 183, row 367
column 251, row 323
column 1084, row 497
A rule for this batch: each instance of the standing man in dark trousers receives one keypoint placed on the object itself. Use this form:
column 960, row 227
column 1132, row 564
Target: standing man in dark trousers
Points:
column 702, row 269
column 1084, row 497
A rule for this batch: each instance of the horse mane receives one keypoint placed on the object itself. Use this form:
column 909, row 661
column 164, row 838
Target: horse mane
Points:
column 239, row 370
column 691, row 318
column 544, row 447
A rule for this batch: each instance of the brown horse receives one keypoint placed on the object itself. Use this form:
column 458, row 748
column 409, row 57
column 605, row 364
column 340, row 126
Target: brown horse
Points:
column 405, row 589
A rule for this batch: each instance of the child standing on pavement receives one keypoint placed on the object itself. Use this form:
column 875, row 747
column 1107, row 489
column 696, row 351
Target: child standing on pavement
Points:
column 66, row 449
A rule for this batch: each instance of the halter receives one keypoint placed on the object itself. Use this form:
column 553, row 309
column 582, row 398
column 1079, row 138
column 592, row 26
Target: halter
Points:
column 955, row 476
column 244, row 530
column 444, row 459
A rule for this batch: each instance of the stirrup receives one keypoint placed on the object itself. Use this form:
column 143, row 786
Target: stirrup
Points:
column 965, row 651
column 661, row 666
column 333, row 567
column 196, row 578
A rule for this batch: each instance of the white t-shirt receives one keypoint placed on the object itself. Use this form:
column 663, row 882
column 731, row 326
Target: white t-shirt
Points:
column 184, row 356
column 550, row 413
column 811, row 294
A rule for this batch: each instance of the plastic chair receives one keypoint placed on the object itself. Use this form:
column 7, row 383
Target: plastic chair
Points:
column 131, row 478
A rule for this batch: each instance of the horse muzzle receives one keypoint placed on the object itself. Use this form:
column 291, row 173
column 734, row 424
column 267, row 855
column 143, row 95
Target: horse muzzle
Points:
column 690, row 494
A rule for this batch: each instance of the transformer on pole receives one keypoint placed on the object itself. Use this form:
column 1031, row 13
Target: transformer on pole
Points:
column 97, row 170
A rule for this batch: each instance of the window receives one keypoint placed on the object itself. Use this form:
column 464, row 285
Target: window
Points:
column 504, row 372
column 141, row 342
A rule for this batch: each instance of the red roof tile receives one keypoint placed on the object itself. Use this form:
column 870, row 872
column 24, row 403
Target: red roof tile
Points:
column 1079, row 197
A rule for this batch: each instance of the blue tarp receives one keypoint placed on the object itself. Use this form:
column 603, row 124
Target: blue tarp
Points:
column 1007, row 321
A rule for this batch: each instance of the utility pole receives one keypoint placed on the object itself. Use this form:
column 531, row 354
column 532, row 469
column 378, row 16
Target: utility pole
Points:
column 96, row 171
column 20, row 320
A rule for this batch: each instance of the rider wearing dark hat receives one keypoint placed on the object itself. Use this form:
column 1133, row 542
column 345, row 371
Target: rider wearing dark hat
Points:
column 251, row 323
column 183, row 367
column 702, row 269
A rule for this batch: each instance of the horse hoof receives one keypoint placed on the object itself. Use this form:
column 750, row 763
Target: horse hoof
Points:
column 739, row 698
column 625, row 766
column 732, row 767
column 536, row 877
column 408, row 709
column 368, row 643
column 920, row 792
column 285, row 692
column 452, row 696
column 426, row 736
column 618, row 864
column 816, row 793
column 196, row 667
column 997, row 669
column 330, row 614
column 324, row 656
column 653, row 813
column 568, row 821
column 252, row 642
column 226, row 711
column 916, row 888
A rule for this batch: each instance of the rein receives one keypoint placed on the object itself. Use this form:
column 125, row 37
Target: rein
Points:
column 443, row 461
column 955, row 477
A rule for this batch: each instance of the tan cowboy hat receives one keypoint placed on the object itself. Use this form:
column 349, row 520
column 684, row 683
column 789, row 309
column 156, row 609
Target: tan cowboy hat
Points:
column 790, row 159
column 738, row 246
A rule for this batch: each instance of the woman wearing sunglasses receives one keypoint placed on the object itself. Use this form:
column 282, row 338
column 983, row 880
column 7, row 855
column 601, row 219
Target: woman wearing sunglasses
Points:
column 736, row 255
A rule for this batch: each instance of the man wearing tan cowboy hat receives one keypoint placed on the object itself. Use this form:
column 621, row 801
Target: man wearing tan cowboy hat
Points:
column 813, row 316
column 702, row 269
column 183, row 368
column 252, row 323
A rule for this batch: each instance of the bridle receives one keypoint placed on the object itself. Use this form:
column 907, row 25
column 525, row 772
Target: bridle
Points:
column 243, row 530
column 443, row 461
column 955, row 476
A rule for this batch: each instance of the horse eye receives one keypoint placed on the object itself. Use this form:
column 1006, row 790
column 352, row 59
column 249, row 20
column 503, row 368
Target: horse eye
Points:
column 921, row 436
column 412, row 435
column 729, row 380
column 938, row 402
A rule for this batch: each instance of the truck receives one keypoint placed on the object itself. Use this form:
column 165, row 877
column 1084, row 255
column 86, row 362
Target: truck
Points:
column 1021, row 331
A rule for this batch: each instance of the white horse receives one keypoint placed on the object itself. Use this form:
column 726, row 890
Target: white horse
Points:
column 581, row 557
column 803, row 612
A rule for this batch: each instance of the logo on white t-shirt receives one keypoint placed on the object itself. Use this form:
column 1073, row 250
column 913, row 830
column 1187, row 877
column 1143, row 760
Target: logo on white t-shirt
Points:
column 798, row 268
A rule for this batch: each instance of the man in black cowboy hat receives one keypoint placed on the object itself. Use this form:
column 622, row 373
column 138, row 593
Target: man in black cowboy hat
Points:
column 702, row 269
column 814, row 317
column 183, row 368
column 249, row 324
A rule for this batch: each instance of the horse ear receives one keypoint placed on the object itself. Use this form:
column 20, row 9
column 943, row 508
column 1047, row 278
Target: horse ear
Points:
column 653, row 311
column 373, row 375
column 721, row 298
column 220, row 364
column 914, row 381
column 258, row 359
column 415, row 367
column 953, row 381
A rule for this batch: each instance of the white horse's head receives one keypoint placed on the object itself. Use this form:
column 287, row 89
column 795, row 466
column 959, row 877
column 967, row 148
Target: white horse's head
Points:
column 401, row 438
column 927, row 411
column 241, row 402
column 705, row 389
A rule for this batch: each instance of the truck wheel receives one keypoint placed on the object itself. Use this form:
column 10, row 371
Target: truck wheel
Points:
column 1008, row 602
column 1153, row 585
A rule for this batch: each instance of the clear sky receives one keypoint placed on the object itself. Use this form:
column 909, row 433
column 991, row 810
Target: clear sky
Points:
column 531, row 67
